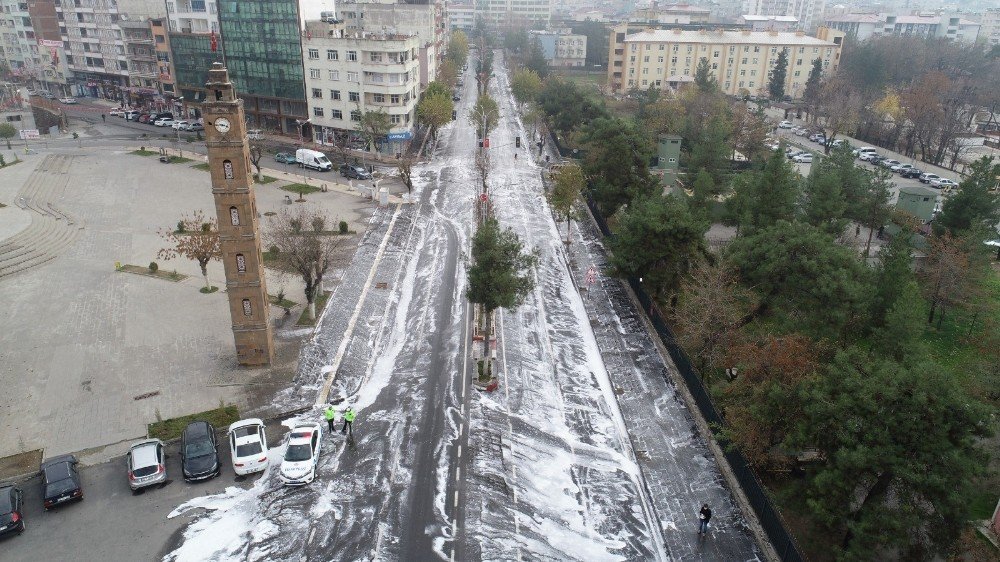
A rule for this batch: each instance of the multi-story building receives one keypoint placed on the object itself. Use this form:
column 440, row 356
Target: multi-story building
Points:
column 193, row 16
column 863, row 26
column 770, row 23
column 31, row 45
column 161, row 48
column 95, row 47
column 807, row 12
column 670, row 13
column 52, row 74
column 989, row 33
column 350, row 72
column 513, row 14
column 461, row 16
column 17, row 37
column 143, row 72
column 741, row 61
column 423, row 20
column 562, row 47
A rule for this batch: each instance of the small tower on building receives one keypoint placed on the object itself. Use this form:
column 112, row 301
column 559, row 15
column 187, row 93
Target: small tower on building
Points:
column 239, row 229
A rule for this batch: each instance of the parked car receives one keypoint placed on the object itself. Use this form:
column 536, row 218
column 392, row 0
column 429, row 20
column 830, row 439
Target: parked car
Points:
column 195, row 127
column 868, row 156
column 876, row 159
column 456, row 97
column 60, row 481
column 179, row 125
column 248, row 445
column 144, row 118
column 804, row 158
column 164, row 122
column 298, row 467
column 115, row 112
column 900, row 167
column 943, row 183
column 785, row 125
column 355, row 172
column 284, row 158
column 791, row 155
column 47, row 95
column 199, row 452
column 928, row 177
column 889, row 163
column 911, row 172
column 313, row 159
column 69, row 101
column 147, row 465
column 11, row 507
column 131, row 115
column 815, row 136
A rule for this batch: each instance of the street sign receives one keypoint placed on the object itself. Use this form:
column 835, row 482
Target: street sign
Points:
column 486, row 142
column 405, row 135
column 483, row 197
column 29, row 134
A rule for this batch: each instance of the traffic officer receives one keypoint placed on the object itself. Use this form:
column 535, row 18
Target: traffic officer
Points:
column 330, row 414
column 349, row 416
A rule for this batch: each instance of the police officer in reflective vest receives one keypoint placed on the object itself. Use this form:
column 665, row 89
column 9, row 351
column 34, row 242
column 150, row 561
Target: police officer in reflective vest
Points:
column 330, row 414
column 349, row 416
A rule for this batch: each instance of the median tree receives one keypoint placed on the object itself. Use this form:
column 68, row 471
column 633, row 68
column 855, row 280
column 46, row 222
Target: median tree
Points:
column 525, row 85
column 7, row 132
column 485, row 114
column 500, row 272
column 305, row 249
column 198, row 240
column 568, row 183
column 458, row 48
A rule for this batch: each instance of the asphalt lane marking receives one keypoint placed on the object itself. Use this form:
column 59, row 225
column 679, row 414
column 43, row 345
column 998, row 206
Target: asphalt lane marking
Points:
column 324, row 394
column 460, row 451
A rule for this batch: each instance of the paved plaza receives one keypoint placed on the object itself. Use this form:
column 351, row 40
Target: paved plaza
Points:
column 90, row 355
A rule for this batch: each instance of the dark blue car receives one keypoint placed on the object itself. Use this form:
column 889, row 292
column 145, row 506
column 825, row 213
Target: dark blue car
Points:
column 199, row 452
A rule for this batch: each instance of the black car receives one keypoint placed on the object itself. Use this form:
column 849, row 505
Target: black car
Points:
column 355, row 171
column 11, row 506
column 874, row 160
column 199, row 452
column 911, row 173
column 61, row 481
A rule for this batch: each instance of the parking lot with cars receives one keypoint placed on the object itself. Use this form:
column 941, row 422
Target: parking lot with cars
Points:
column 122, row 508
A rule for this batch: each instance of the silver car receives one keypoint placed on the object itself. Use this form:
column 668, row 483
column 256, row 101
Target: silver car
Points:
column 146, row 464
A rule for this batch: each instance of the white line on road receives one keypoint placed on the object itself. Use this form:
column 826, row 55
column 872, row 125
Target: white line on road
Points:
column 458, row 473
column 325, row 392
column 456, row 498
column 459, row 451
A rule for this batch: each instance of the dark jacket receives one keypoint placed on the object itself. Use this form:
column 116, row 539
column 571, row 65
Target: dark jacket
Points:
column 706, row 514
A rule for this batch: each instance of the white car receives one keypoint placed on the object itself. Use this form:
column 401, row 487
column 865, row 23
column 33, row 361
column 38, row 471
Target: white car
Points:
column 889, row 163
column 866, row 156
column 804, row 158
column 179, row 124
column 68, row 100
column 901, row 167
column 928, row 177
column 298, row 467
column 248, row 445
column 785, row 125
column 164, row 122
column 943, row 183
column 115, row 112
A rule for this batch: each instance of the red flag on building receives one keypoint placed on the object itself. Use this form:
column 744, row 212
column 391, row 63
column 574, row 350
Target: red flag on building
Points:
column 214, row 42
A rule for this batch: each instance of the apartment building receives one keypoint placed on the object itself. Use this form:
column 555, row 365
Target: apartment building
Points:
column 349, row 72
column 143, row 72
column 741, row 61
column 193, row 16
column 426, row 21
column 864, row 26
column 461, row 16
column 770, row 23
column 681, row 14
column 161, row 49
column 562, row 47
column 808, row 13
column 511, row 14
column 95, row 47
column 989, row 32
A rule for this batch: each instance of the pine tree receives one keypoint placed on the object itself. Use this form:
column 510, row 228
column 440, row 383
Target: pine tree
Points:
column 776, row 87
column 704, row 78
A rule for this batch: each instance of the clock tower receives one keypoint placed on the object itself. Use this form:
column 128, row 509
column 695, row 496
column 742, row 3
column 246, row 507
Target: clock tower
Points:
column 239, row 229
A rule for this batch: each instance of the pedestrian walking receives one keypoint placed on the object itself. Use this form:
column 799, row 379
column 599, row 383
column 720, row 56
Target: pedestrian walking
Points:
column 704, row 516
column 330, row 414
column 349, row 416
column 103, row 119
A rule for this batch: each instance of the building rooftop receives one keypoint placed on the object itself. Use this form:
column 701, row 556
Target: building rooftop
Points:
column 858, row 18
column 734, row 37
column 918, row 190
column 754, row 17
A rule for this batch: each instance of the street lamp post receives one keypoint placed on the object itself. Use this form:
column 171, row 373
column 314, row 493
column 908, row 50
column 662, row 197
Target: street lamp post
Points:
column 178, row 130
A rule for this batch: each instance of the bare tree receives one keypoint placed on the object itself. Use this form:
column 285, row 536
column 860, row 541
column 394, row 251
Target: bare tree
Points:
column 196, row 238
column 946, row 275
column 842, row 106
column 305, row 248
column 404, row 164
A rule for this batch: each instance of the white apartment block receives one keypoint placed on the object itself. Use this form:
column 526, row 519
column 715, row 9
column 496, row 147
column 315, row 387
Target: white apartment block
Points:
column 461, row 16
column 350, row 72
column 426, row 21
column 770, row 23
column 562, row 48
column 193, row 16
column 670, row 13
column 17, row 37
column 95, row 47
column 807, row 12
column 741, row 61
column 989, row 33
column 513, row 13
column 863, row 26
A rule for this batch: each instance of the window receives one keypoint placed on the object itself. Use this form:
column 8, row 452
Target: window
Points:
column 396, row 119
column 318, row 111
column 632, row 58
column 314, row 73
column 352, row 56
column 241, row 263
column 743, row 73
column 659, row 59
column 234, row 215
column 379, row 98
column 353, row 96
column 744, row 60
column 394, row 99
column 715, row 54
column 336, row 114
column 356, row 115
column 332, row 54
column 333, row 75
column 313, row 54
column 352, row 76
column 375, row 57
column 673, row 60
column 317, row 93
column 797, row 72
column 645, row 58
column 335, row 94
column 227, row 170
column 247, row 309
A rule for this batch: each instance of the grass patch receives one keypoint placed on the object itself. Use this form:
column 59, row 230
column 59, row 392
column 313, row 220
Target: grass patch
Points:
column 144, row 152
column 203, row 166
column 159, row 274
column 283, row 303
column 264, row 179
column 208, row 290
column 320, row 304
column 172, row 428
column 270, row 257
column 300, row 188
column 179, row 160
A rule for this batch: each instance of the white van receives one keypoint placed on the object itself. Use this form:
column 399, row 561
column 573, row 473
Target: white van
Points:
column 863, row 150
column 313, row 159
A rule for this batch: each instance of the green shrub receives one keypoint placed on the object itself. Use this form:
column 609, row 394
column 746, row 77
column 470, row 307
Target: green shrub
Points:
column 153, row 267
column 181, row 227
column 274, row 249
column 343, row 227
column 206, row 227
column 318, row 224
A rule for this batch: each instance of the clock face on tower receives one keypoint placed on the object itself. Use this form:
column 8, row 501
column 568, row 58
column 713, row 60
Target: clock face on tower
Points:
column 222, row 125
